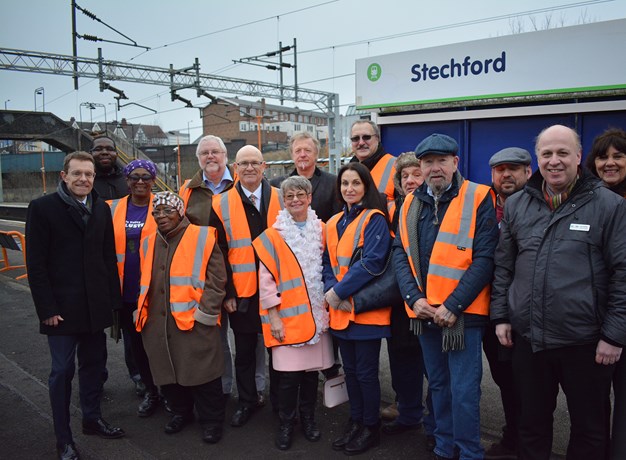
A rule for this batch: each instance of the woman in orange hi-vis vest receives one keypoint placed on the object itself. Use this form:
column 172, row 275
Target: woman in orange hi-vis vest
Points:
column 133, row 221
column 293, row 316
column 182, row 288
column 364, row 224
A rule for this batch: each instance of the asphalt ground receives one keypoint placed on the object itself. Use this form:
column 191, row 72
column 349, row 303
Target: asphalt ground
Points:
column 26, row 429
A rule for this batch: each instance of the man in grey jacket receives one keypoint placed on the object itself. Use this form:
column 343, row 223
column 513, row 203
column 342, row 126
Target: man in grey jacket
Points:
column 559, row 297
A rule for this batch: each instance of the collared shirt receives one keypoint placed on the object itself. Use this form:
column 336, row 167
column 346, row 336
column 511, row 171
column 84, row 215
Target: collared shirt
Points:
column 257, row 193
column 219, row 188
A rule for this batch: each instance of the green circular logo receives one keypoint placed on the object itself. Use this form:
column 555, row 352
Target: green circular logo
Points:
column 374, row 71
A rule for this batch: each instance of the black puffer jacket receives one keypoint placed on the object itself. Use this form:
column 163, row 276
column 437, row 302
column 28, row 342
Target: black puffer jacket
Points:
column 560, row 277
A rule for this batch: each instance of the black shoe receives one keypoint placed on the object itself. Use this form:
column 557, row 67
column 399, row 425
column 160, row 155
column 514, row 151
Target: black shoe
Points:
column 310, row 429
column 177, row 422
column 284, row 436
column 352, row 431
column 241, row 416
column 149, row 404
column 67, row 452
column 140, row 388
column 102, row 429
column 398, row 428
column 368, row 437
column 212, row 433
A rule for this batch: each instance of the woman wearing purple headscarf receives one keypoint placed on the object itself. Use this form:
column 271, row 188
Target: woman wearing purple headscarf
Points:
column 133, row 221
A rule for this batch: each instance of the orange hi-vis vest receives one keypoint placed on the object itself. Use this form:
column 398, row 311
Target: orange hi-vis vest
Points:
column 295, row 306
column 118, row 212
column 383, row 174
column 187, row 274
column 452, row 252
column 229, row 208
column 340, row 252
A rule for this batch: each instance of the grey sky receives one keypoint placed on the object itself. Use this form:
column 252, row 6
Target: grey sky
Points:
column 323, row 32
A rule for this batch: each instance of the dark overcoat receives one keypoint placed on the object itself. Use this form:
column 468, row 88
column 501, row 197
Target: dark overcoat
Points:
column 72, row 269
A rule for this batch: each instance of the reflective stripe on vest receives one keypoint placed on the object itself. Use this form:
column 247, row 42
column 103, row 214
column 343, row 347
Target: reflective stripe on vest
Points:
column 383, row 173
column 340, row 252
column 240, row 253
column 452, row 251
column 295, row 306
column 119, row 208
column 187, row 274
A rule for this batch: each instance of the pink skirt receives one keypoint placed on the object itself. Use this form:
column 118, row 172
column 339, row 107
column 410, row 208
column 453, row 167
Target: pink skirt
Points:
column 307, row 358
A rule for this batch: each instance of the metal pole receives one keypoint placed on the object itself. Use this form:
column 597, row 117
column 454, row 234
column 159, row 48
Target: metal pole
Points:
column 280, row 54
column 295, row 67
column 74, row 48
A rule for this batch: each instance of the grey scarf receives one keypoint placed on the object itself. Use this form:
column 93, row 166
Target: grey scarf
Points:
column 83, row 210
column 453, row 338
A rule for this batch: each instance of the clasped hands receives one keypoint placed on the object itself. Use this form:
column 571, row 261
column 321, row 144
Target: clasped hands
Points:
column 332, row 299
column 440, row 315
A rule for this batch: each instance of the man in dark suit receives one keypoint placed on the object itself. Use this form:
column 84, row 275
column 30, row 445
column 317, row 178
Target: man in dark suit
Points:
column 246, row 211
column 304, row 150
column 74, row 283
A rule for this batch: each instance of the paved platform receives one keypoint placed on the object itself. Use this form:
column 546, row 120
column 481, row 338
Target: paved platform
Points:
column 27, row 426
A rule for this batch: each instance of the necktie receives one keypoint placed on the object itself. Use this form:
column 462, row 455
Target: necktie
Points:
column 252, row 198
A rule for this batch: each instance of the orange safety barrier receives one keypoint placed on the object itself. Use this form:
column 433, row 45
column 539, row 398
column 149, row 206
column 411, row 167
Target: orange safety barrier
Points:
column 16, row 242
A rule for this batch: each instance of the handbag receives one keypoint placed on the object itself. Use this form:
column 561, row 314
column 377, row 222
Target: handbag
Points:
column 335, row 391
column 380, row 292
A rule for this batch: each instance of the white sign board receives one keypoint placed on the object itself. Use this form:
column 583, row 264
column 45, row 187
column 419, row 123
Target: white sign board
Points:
column 578, row 58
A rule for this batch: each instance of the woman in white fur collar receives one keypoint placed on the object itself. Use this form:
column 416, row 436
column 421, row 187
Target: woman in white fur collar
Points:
column 293, row 316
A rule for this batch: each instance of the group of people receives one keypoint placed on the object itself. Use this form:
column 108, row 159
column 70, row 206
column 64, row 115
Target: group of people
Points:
column 537, row 284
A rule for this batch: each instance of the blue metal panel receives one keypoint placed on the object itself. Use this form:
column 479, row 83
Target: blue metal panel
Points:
column 594, row 124
column 31, row 162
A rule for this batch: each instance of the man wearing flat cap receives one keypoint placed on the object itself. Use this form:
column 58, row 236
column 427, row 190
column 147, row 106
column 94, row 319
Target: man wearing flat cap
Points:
column 510, row 170
column 443, row 256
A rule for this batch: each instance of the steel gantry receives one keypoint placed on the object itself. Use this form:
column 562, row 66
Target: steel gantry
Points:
column 106, row 71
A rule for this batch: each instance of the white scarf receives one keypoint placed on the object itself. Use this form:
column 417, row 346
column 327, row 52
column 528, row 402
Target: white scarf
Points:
column 306, row 244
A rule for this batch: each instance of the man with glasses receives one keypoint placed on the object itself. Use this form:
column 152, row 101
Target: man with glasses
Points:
column 245, row 211
column 366, row 146
column 73, row 279
column 110, row 183
column 213, row 177
column 304, row 150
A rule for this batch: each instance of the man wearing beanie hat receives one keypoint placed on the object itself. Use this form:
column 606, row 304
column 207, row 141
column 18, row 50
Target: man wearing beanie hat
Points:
column 510, row 170
column 443, row 256
column 367, row 149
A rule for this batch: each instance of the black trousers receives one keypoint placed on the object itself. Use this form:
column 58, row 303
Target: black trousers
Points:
column 245, row 367
column 297, row 390
column 501, row 367
column 207, row 399
column 138, row 353
column 586, row 386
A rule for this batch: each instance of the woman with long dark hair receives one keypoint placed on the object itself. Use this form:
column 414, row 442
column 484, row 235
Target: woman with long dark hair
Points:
column 363, row 224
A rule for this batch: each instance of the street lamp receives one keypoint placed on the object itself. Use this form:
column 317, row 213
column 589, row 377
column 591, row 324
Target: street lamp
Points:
column 5, row 103
column 40, row 91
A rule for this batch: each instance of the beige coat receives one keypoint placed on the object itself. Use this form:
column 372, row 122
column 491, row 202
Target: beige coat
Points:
column 192, row 357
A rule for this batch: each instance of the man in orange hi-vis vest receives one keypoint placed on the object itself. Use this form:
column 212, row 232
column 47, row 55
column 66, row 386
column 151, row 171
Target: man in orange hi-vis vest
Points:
column 443, row 256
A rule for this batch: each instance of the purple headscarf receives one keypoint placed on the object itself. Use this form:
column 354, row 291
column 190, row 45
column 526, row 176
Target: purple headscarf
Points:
column 136, row 164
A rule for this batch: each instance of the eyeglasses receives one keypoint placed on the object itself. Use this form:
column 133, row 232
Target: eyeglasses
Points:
column 164, row 212
column 254, row 164
column 365, row 137
column 78, row 174
column 301, row 196
column 108, row 148
column 136, row 178
column 206, row 153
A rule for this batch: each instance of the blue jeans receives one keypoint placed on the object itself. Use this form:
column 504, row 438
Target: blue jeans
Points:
column 454, row 379
column 90, row 350
column 360, row 362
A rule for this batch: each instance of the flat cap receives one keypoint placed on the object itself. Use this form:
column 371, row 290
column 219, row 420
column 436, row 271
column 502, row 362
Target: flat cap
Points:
column 511, row 155
column 438, row 144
